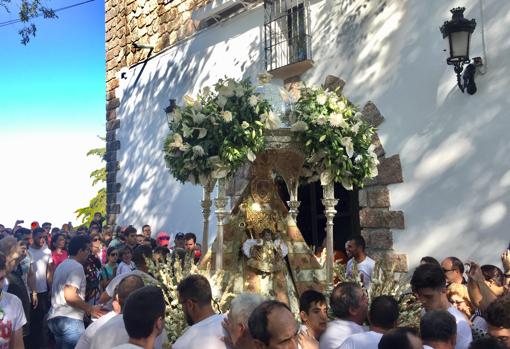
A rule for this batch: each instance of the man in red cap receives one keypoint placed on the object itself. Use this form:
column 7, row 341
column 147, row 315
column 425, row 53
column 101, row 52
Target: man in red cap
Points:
column 163, row 238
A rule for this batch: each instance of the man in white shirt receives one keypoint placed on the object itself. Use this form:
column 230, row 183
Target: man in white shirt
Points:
column 429, row 285
column 13, row 317
column 401, row 338
column 128, row 285
column 313, row 311
column 355, row 249
column 438, row 329
column 144, row 318
column 40, row 259
column 206, row 330
column 68, row 306
column 236, row 322
column 113, row 332
column 349, row 304
column 383, row 316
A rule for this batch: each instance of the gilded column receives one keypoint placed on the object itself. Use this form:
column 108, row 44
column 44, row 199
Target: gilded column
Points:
column 206, row 211
column 220, row 203
column 329, row 203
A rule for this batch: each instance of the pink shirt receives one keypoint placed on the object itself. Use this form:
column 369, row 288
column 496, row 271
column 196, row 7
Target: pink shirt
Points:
column 58, row 257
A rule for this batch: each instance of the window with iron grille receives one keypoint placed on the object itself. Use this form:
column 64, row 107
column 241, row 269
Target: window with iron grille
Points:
column 286, row 33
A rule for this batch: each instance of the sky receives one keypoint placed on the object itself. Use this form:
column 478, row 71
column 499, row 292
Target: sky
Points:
column 52, row 110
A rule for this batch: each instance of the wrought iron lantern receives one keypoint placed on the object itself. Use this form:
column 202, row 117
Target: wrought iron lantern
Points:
column 457, row 35
column 169, row 110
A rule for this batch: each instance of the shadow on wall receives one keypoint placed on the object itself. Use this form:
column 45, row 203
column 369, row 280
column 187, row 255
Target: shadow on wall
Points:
column 149, row 194
column 453, row 147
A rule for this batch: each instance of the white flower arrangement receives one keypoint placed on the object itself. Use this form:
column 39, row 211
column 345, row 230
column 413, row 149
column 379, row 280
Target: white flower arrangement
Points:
column 338, row 143
column 213, row 135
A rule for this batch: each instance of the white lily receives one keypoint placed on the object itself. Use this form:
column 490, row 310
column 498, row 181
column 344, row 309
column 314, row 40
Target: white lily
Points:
column 202, row 132
column 206, row 91
column 299, row 126
column 251, row 155
column 355, row 127
column 347, row 183
column 198, row 118
column 186, row 130
column 349, row 146
column 189, row 100
column 227, row 116
column 271, row 120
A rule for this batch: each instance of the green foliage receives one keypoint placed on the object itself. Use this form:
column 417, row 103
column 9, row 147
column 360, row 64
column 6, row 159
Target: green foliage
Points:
column 212, row 136
column 338, row 143
column 98, row 202
column 29, row 10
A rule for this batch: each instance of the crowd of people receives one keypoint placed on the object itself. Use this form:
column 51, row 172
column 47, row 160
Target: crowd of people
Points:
column 91, row 288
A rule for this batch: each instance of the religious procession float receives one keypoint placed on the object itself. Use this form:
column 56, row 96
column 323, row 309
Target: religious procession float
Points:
column 235, row 130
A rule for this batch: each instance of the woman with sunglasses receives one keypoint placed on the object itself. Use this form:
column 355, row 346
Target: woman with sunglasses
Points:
column 92, row 270
column 109, row 270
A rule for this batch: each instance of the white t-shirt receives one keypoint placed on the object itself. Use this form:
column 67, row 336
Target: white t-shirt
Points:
column 337, row 332
column 125, row 268
column 113, row 333
column 206, row 334
column 39, row 260
column 464, row 334
column 365, row 340
column 68, row 273
column 90, row 332
column 13, row 318
column 127, row 346
column 110, row 289
column 365, row 268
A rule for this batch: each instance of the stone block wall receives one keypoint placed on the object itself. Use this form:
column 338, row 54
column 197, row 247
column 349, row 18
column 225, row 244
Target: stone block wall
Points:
column 159, row 23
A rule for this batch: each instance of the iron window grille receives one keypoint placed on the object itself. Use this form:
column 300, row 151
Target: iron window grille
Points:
column 286, row 32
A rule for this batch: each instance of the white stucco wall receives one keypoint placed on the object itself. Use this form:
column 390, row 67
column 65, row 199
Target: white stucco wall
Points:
column 453, row 147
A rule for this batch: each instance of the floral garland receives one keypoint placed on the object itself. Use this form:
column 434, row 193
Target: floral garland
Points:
column 338, row 143
column 212, row 136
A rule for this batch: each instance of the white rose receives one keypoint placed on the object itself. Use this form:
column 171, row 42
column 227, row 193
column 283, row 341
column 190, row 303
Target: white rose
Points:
column 322, row 99
column 227, row 116
column 321, row 120
column 253, row 100
column 337, row 120
column 341, row 105
column 222, row 101
column 245, row 125
column 198, row 118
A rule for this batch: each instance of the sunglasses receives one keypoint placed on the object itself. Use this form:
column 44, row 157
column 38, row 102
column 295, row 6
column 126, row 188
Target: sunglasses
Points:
column 163, row 238
column 96, row 239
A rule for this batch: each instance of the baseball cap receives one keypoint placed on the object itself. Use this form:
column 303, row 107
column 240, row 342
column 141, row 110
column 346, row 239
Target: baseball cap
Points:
column 34, row 224
column 179, row 236
column 163, row 238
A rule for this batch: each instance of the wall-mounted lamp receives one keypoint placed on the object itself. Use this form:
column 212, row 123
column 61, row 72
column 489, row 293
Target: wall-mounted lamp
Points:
column 457, row 32
column 169, row 110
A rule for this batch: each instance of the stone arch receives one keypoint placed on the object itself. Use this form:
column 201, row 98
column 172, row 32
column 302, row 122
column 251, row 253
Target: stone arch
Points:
column 376, row 218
